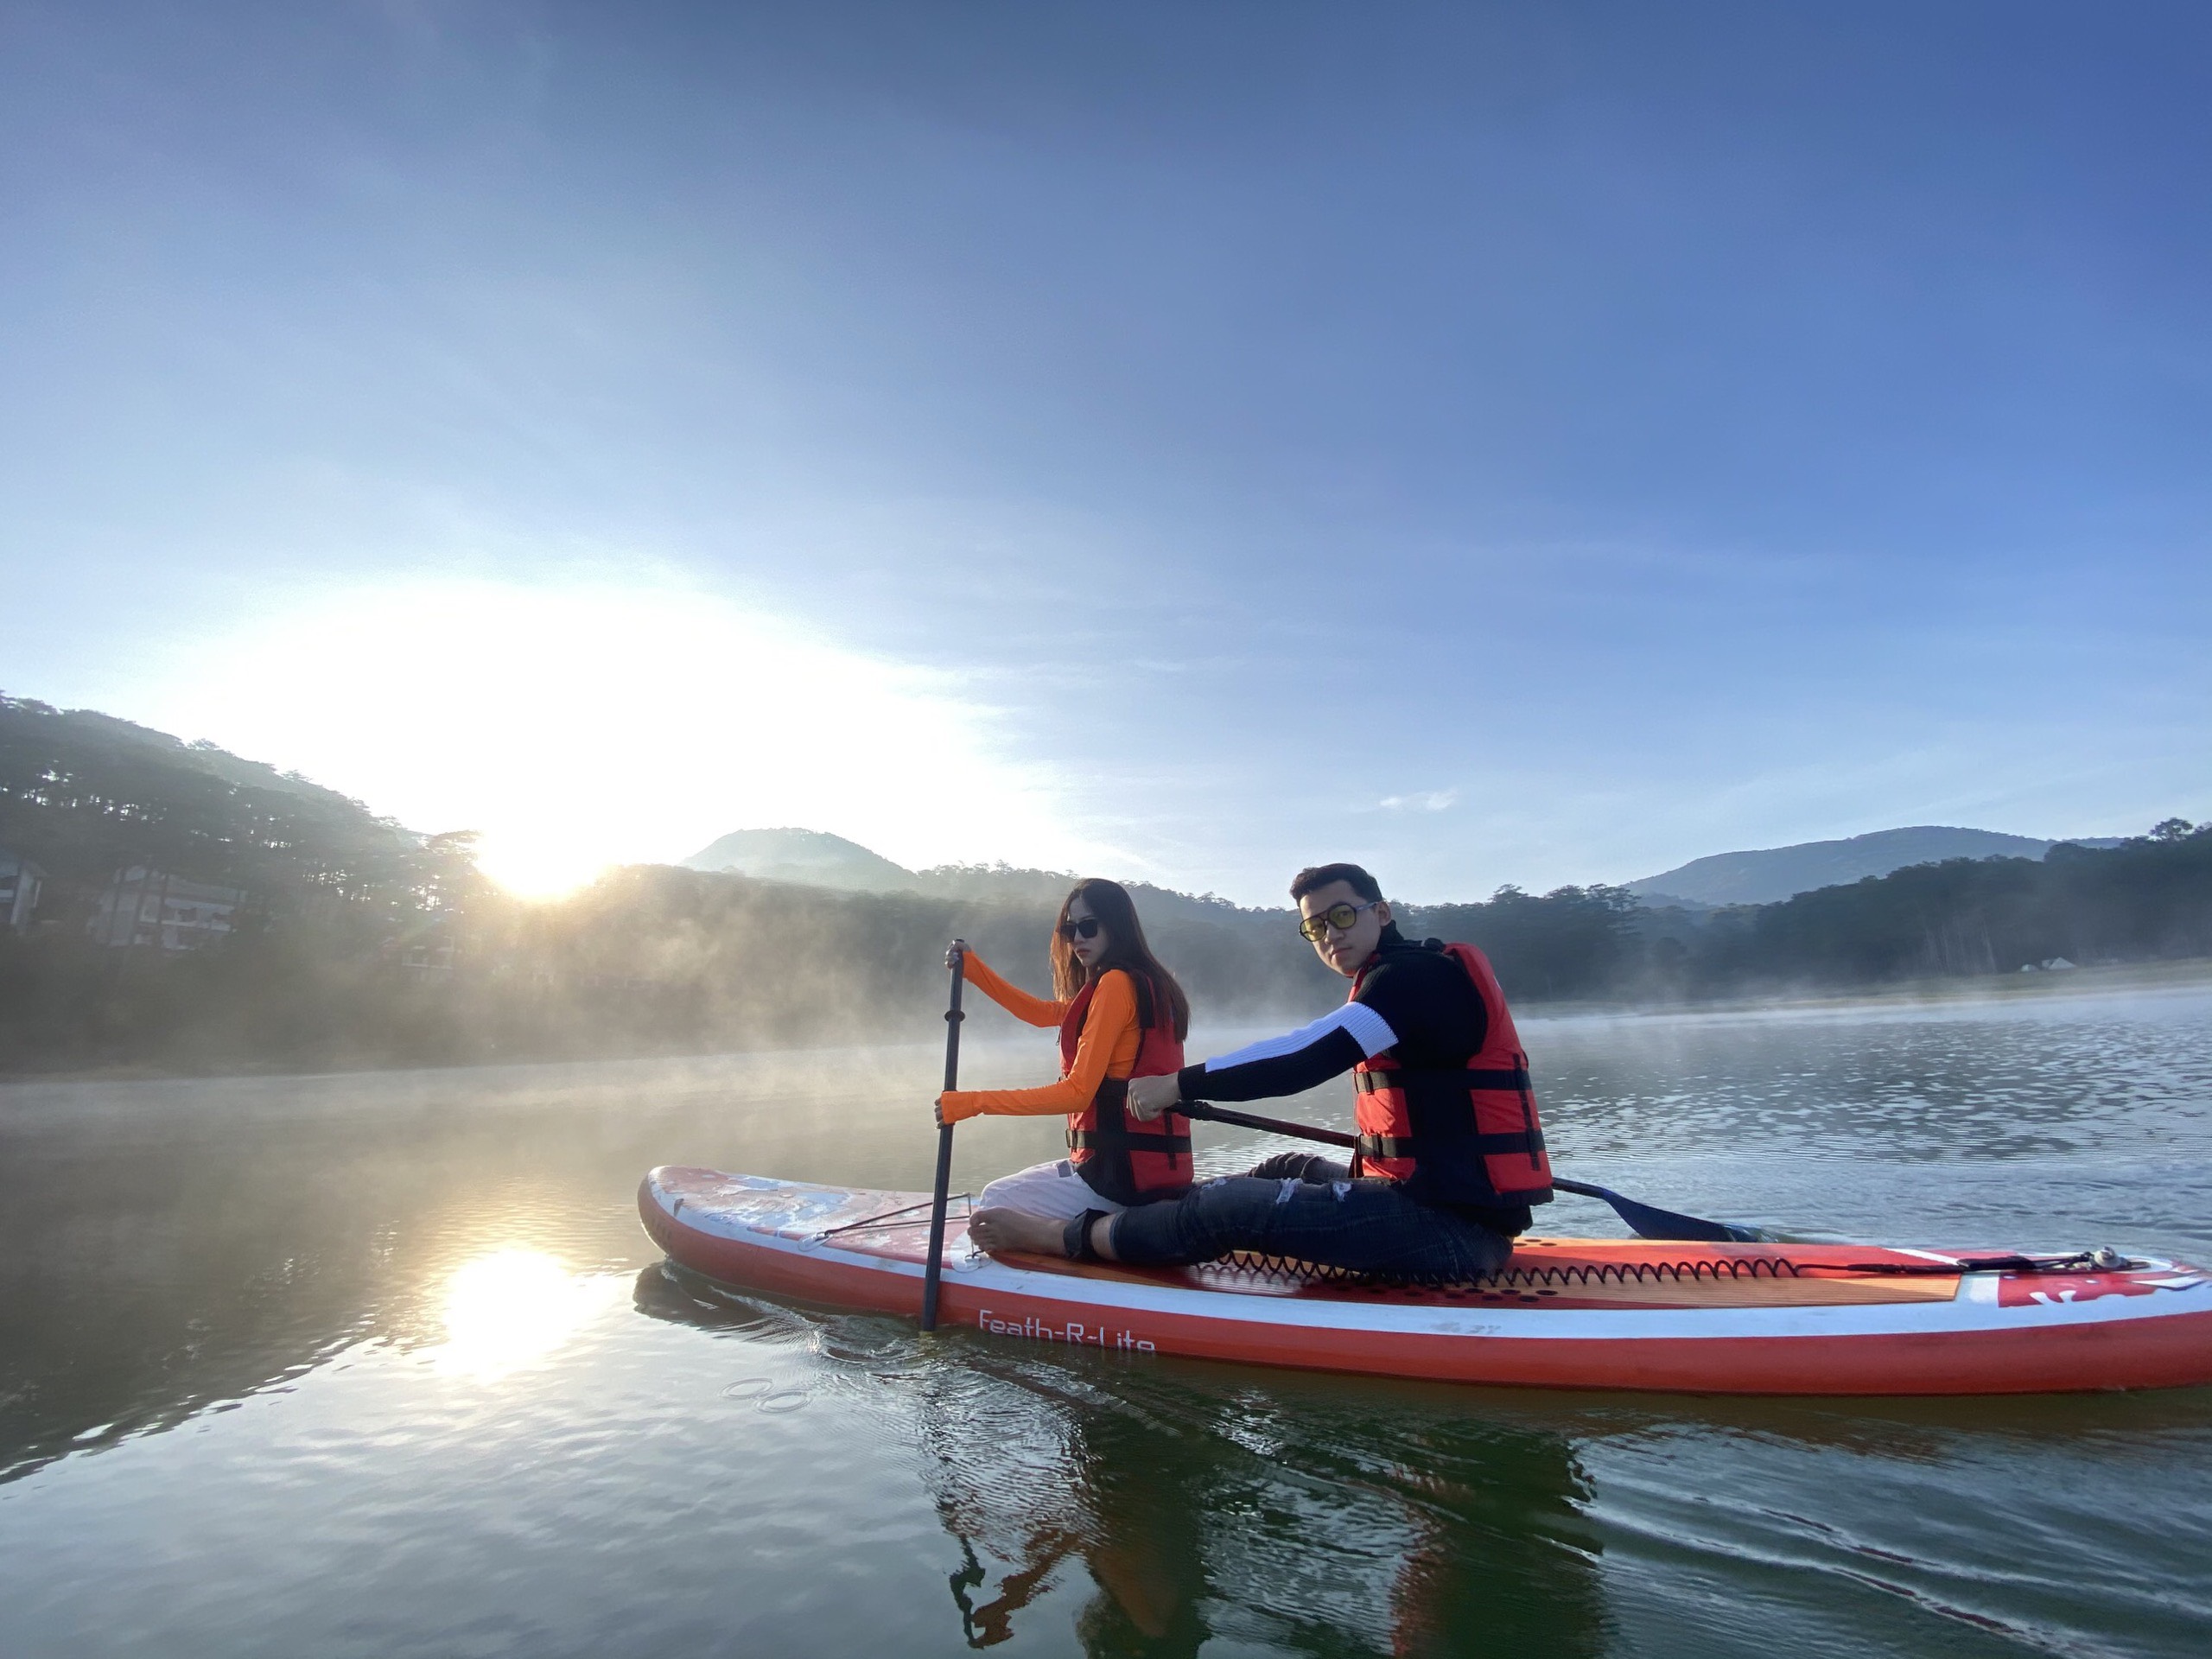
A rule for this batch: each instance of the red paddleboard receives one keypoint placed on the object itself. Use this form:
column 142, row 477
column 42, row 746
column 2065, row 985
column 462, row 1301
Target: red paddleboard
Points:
column 1563, row 1314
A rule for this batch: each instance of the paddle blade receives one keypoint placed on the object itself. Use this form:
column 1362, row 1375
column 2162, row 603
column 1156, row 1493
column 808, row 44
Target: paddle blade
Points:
column 1649, row 1221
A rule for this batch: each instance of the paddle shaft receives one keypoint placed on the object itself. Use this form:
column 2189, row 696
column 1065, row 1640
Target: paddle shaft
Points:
column 1272, row 1125
column 1305, row 1132
column 933, row 1268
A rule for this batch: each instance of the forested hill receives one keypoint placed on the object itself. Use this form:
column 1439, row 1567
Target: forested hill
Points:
column 812, row 858
column 354, row 942
column 1771, row 874
column 2148, row 899
column 83, row 794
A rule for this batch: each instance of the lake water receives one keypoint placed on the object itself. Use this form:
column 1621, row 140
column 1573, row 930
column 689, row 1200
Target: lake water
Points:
column 384, row 1365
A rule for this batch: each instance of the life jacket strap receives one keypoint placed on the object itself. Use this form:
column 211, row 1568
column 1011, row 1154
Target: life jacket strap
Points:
column 1486, row 1146
column 1513, row 1082
column 1132, row 1141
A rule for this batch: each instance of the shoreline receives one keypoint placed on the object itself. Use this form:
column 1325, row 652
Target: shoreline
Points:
column 2111, row 980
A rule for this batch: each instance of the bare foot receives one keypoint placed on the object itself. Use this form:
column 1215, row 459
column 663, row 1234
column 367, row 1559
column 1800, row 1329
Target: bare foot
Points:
column 1014, row 1230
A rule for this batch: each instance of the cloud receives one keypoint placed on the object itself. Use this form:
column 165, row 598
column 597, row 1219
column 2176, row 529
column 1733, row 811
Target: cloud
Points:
column 1430, row 800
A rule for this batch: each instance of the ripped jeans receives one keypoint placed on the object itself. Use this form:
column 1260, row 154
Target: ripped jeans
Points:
column 1303, row 1206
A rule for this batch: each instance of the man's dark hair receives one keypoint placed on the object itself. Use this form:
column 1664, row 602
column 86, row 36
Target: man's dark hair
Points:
column 1321, row 875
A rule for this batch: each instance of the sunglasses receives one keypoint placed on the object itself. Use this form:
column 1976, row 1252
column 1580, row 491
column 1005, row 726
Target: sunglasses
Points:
column 1340, row 917
column 1085, row 929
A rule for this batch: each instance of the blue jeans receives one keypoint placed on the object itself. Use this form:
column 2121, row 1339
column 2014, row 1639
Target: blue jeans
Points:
column 1305, row 1207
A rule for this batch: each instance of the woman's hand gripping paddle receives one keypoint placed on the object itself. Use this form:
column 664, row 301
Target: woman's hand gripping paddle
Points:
column 1646, row 1221
column 956, row 959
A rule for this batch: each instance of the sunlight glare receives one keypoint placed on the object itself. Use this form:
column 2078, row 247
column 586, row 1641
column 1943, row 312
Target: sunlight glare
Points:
column 587, row 724
column 513, row 1307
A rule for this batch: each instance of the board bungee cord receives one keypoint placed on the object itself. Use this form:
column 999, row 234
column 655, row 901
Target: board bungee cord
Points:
column 1646, row 1220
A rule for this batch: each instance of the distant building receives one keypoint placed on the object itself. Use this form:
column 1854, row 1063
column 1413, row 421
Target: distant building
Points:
column 430, row 947
column 20, row 881
column 149, row 907
column 434, row 958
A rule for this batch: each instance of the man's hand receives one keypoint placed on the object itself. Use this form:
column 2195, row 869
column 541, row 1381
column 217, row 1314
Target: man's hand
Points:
column 1150, row 1096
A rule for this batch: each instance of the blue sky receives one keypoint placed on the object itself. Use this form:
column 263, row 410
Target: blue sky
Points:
column 1502, row 443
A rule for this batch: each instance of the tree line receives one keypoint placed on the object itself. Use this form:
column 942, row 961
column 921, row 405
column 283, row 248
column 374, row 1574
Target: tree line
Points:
column 358, row 943
column 2148, row 899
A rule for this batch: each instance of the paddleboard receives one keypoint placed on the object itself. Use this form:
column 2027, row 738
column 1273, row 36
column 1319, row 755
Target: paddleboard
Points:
column 1565, row 1312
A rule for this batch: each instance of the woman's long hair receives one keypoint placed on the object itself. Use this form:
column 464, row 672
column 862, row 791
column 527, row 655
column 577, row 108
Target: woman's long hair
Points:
column 1125, row 949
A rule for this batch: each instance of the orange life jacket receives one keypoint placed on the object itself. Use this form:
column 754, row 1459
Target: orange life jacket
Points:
column 1479, row 1141
column 1127, row 1161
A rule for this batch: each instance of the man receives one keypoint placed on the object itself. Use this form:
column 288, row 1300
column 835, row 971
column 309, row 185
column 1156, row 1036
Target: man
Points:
column 1452, row 1154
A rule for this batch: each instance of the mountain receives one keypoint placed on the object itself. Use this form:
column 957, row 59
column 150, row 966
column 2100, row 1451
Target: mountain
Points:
column 813, row 857
column 1773, row 873
column 816, row 859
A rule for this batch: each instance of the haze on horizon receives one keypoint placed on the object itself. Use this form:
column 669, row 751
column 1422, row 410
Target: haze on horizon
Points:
column 1501, row 444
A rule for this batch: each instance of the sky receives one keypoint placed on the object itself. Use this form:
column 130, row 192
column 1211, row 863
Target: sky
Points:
column 1184, row 443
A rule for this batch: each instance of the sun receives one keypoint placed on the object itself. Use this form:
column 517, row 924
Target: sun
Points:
column 577, row 726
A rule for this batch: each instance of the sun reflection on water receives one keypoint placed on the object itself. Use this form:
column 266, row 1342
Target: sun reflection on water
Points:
column 512, row 1307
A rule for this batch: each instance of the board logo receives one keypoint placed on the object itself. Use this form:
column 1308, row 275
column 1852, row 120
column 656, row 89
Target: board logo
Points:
column 1083, row 1336
column 2024, row 1291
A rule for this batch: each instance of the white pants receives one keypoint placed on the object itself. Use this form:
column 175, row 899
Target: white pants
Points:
column 1053, row 1191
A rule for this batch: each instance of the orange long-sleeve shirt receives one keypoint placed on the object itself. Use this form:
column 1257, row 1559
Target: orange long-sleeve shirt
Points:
column 1107, row 1048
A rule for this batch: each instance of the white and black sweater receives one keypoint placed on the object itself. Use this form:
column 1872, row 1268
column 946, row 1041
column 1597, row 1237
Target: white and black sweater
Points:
column 1414, row 1003
column 1414, row 999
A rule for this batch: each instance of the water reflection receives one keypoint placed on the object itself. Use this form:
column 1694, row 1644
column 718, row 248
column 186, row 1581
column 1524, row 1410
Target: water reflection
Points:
column 511, row 1308
column 1177, row 1503
column 1031, row 1488
column 1198, row 1507
column 167, row 1246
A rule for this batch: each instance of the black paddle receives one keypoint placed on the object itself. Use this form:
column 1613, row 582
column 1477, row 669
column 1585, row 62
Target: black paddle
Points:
column 1646, row 1221
column 933, row 1268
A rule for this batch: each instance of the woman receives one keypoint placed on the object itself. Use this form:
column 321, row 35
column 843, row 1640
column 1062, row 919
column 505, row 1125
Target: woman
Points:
column 1121, row 1015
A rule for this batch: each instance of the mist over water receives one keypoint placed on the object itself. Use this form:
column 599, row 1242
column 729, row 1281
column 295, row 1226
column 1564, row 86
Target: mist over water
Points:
column 383, row 1363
